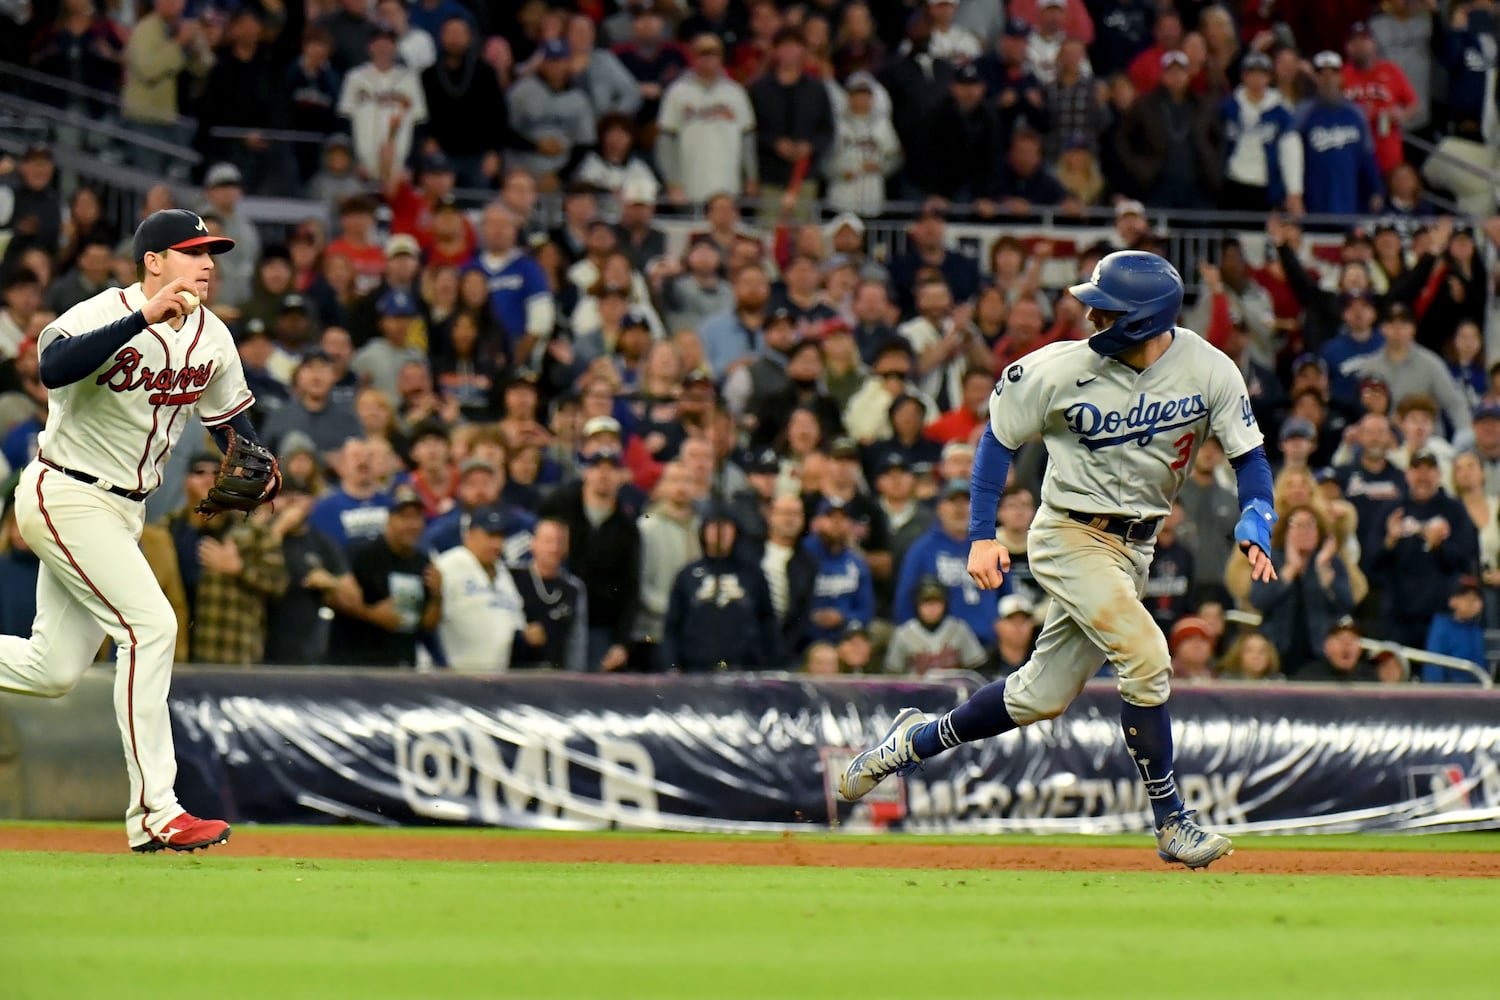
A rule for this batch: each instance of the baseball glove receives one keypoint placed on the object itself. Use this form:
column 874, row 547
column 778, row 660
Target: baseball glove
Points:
column 248, row 478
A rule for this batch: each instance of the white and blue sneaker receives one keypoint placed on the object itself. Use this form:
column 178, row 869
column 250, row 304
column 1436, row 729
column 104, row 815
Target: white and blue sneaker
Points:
column 1182, row 841
column 892, row 755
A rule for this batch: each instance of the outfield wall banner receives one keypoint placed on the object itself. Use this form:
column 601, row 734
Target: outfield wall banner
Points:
column 762, row 753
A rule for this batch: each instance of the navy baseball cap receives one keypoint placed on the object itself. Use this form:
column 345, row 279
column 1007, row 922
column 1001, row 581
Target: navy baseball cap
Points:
column 764, row 461
column 832, row 505
column 1294, row 427
column 635, row 318
column 1017, row 27
column 176, row 229
column 1487, row 410
column 556, row 49
column 955, row 488
column 1309, row 360
column 967, row 73
column 491, row 518
column 609, row 455
column 891, row 462
column 397, row 303
column 405, row 496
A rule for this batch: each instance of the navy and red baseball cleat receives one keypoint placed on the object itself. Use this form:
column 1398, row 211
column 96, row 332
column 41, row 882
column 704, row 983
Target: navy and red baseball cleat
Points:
column 186, row 833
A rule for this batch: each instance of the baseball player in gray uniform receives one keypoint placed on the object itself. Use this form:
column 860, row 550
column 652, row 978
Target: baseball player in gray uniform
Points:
column 1122, row 415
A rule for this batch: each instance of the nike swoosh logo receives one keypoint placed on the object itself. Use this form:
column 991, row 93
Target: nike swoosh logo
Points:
column 1086, row 381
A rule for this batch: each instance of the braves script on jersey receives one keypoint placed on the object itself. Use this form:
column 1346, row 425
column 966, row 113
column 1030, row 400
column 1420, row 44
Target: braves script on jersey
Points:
column 1119, row 441
column 122, row 423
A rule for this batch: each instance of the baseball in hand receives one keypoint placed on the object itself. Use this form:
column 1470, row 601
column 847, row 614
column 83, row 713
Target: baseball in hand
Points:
column 189, row 300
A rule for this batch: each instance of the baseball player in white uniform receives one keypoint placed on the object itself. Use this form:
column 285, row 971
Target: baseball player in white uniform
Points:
column 124, row 370
column 1122, row 415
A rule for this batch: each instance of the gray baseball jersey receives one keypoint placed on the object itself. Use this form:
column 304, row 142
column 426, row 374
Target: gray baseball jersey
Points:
column 916, row 649
column 1121, row 442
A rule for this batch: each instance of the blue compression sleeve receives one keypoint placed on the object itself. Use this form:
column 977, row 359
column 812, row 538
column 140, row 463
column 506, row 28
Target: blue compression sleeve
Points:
column 1252, row 473
column 73, row 359
column 991, row 463
column 240, row 424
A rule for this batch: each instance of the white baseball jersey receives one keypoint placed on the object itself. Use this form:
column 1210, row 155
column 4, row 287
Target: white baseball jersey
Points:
column 481, row 616
column 711, row 124
column 1121, row 442
column 382, row 106
column 121, row 423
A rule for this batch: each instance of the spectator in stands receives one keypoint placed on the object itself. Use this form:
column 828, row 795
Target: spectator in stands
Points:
column 351, row 28
column 1024, row 333
column 163, row 45
column 1054, row 23
column 871, row 309
column 1158, row 127
column 694, row 290
column 1263, row 169
column 311, row 86
column 1245, row 299
column 85, row 222
column 357, row 509
column 379, row 362
column 1464, row 354
column 789, row 569
column 943, row 341
column 328, row 418
column 650, row 56
column 864, row 153
column 1166, row 34
column 706, row 120
column 942, row 554
column 84, row 46
column 1382, row 91
column 1210, row 512
column 1372, row 484
column 1169, row 580
column 554, row 601
column 482, row 613
column 1311, row 592
column 297, row 627
column 747, row 388
column 801, row 293
column 383, row 102
column 1341, row 175
column 1457, row 632
column 794, row 128
column 1073, row 108
column 614, row 167
column 401, row 271
column 950, row 41
column 520, row 298
column 243, row 93
column 972, row 412
column 604, row 552
column 415, row 48
column 719, row 18
column 223, row 190
column 1251, row 658
column 927, row 249
column 230, row 569
column 1192, row 648
column 35, row 208
column 337, row 179
column 844, row 589
column 964, row 125
column 468, row 115
column 1025, row 182
column 1429, row 542
column 1342, row 660
column 1410, row 369
column 1357, row 338
column 933, row 639
column 553, row 116
column 1448, row 284
column 867, row 417
column 1297, row 442
column 1015, row 635
column 91, row 274
column 720, row 614
column 400, row 592
column 670, row 540
column 730, row 338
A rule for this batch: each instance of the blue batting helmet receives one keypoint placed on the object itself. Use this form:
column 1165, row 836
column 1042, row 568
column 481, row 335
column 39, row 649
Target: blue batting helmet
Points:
column 1144, row 287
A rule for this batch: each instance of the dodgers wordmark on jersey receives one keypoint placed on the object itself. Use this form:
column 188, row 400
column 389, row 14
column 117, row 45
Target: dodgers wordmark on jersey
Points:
column 1120, row 442
column 122, row 423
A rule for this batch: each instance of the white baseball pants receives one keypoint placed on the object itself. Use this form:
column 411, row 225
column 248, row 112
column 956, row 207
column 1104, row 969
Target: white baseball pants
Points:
column 94, row 582
column 1095, row 581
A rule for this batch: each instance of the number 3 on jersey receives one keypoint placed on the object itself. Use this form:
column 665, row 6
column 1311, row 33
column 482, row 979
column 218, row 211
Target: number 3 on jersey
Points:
column 1184, row 446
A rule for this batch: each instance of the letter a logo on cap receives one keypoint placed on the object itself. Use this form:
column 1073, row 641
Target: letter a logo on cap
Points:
column 201, row 226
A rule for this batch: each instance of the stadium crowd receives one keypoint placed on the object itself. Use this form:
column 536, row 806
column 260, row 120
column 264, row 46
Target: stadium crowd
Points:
column 520, row 431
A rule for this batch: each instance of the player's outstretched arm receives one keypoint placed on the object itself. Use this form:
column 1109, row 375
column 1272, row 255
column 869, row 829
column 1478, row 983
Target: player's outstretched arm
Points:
column 1257, row 512
column 988, row 559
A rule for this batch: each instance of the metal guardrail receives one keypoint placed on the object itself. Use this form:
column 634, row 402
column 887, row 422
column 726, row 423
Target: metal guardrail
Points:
column 44, row 81
column 1410, row 653
column 61, row 117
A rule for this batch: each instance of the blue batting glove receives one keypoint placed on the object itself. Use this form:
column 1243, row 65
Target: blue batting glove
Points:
column 1254, row 527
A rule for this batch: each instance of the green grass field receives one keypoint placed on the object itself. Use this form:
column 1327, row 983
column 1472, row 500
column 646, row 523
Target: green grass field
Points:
column 224, row 928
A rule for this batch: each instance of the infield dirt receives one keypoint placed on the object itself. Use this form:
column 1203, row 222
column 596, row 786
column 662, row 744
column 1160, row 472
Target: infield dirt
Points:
column 789, row 851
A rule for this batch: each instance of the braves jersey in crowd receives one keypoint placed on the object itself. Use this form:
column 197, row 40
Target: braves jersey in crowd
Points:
column 382, row 107
column 1340, row 173
column 711, row 124
column 155, row 382
column 1382, row 92
column 917, row 649
column 1111, row 432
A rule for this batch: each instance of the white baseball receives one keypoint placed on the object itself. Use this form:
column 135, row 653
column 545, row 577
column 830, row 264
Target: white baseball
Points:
column 190, row 300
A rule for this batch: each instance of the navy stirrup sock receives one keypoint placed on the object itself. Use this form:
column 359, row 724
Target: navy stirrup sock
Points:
column 1148, row 734
column 983, row 715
